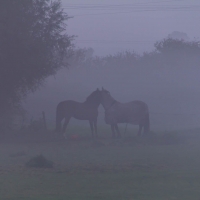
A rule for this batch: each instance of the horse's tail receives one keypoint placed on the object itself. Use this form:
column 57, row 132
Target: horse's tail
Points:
column 147, row 124
column 58, row 118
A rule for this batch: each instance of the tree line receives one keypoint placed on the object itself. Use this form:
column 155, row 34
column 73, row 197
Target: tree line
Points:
column 170, row 53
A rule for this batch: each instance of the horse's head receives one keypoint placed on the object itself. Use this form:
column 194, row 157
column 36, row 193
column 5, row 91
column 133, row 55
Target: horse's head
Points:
column 94, row 97
column 106, row 99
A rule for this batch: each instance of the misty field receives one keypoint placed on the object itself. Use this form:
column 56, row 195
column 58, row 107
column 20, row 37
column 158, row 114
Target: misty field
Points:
column 165, row 165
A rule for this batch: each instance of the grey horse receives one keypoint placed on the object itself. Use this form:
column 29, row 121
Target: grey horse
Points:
column 134, row 112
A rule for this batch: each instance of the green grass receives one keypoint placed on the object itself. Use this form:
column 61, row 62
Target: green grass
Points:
column 113, row 185
column 164, row 166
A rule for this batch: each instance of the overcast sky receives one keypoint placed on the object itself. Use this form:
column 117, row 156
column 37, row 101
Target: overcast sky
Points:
column 111, row 26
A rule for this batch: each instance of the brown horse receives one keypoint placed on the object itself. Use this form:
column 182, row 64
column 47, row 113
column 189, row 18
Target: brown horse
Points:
column 134, row 112
column 87, row 110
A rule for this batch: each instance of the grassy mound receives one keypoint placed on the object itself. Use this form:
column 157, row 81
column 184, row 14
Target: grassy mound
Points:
column 39, row 162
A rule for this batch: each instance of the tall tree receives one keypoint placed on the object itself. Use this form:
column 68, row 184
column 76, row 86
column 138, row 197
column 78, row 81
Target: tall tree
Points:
column 33, row 44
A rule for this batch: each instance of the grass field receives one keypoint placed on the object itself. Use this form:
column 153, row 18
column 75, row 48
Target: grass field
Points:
column 164, row 166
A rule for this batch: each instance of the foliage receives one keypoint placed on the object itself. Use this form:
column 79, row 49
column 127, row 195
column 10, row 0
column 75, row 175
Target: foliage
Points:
column 80, row 56
column 171, row 46
column 168, row 52
column 178, row 53
column 33, row 45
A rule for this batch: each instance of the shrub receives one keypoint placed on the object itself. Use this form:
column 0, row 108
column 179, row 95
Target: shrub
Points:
column 39, row 162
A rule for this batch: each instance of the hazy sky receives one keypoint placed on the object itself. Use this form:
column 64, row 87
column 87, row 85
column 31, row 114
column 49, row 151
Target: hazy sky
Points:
column 111, row 26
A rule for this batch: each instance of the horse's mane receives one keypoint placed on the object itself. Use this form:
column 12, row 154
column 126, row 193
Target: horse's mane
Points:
column 94, row 97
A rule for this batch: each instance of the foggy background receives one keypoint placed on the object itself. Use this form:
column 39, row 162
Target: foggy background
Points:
column 171, row 93
column 112, row 28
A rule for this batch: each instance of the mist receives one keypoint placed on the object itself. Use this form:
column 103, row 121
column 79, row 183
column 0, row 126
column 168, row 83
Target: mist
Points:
column 58, row 50
column 170, row 92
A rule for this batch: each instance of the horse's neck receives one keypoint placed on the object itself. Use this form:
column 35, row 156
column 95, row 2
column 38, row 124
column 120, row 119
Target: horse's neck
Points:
column 109, row 104
column 91, row 104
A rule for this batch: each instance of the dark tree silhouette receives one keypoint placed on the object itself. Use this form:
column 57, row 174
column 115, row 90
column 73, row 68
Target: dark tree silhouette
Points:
column 33, row 44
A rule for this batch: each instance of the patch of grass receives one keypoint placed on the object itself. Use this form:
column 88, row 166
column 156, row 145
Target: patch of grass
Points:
column 159, row 166
column 104, row 186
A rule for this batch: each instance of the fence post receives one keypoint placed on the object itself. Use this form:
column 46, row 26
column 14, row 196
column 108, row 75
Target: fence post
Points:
column 44, row 120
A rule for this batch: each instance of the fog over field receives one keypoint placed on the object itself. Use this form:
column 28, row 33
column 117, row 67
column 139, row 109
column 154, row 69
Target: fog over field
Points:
column 171, row 94
column 170, row 90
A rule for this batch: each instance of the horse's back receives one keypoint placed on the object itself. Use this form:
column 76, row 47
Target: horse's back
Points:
column 131, row 112
column 78, row 110
column 139, row 106
column 66, row 107
column 133, row 106
column 67, row 104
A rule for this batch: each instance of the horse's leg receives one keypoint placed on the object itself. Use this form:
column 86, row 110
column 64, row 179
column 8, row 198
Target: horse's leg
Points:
column 140, row 130
column 117, row 130
column 95, row 127
column 113, row 130
column 67, row 118
column 92, row 127
column 146, row 125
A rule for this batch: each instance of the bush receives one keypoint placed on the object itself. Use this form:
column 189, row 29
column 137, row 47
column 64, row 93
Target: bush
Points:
column 39, row 162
